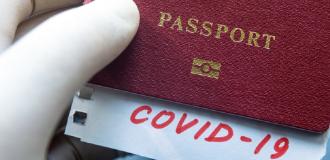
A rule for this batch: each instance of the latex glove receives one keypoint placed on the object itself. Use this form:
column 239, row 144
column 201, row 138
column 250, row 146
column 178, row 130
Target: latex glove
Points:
column 40, row 73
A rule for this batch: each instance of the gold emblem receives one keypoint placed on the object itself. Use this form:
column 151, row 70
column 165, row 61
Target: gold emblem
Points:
column 205, row 68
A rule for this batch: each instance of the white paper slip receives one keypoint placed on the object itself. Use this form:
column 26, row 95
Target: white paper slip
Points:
column 165, row 130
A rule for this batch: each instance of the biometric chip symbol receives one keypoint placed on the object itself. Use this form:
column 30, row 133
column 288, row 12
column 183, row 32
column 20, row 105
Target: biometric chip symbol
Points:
column 205, row 68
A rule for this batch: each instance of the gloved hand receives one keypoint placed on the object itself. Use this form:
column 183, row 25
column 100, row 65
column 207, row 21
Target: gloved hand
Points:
column 41, row 71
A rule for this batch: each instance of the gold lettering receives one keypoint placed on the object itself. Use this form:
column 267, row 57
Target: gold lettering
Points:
column 192, row 25
column 164, row 17
column 232, row 35
column 253, row 37
column 221, row 29
column 207, row 26
column 178, row 23
column 268, row 39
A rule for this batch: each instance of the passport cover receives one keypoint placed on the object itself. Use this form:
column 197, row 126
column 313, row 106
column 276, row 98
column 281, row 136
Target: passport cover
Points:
column 267, row 60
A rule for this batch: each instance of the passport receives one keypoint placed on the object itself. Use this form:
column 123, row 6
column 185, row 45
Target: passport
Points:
column 266, row 60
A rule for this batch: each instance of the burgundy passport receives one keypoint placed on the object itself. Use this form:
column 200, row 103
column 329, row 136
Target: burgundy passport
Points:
column 267, row 60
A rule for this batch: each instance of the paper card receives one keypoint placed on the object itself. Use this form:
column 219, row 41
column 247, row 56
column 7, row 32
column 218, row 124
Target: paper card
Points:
column 165, row 130
column 327, row 156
